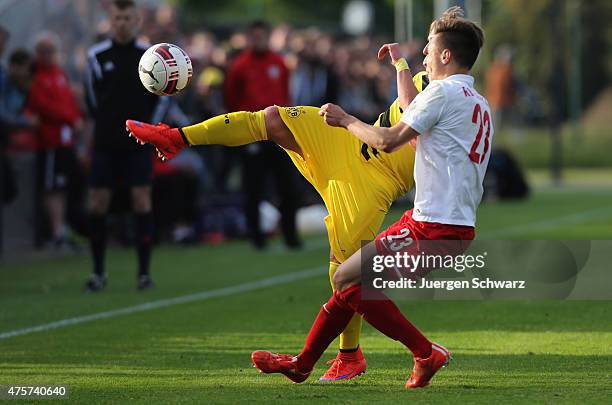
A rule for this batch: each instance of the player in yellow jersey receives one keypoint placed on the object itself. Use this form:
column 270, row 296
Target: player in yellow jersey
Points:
column 358, row 184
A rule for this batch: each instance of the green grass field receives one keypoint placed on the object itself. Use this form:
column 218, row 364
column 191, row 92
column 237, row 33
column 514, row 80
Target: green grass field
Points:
column 198, row 351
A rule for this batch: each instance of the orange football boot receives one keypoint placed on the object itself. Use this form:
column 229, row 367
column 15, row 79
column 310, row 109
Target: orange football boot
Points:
column 345, row 366
column 168, row 141
column 424, row 369
column 268, row 362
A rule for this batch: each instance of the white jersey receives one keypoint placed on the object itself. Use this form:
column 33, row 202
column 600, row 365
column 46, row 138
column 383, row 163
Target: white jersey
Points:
column 452, row 152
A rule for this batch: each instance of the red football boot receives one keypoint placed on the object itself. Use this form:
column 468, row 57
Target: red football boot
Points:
column 424, row 369
column 168, row 141
column 345, row 366
column 268, row 362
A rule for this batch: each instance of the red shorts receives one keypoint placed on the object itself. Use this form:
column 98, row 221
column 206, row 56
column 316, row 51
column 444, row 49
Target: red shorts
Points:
column 423, row 238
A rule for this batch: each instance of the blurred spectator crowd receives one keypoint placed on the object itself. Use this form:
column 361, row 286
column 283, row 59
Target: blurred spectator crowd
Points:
column 200, row 184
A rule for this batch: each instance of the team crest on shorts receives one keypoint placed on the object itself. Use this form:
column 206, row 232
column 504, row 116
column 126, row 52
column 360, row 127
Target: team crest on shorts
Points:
column 295, row 112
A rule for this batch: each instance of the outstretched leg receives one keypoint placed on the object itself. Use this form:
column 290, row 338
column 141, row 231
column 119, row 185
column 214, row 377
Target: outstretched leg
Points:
column 231, row 129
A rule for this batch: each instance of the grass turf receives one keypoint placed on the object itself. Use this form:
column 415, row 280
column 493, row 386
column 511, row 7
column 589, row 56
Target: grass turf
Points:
column 198, row 352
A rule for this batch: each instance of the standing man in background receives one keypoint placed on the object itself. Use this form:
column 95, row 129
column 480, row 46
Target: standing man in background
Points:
column 256, row 79
column 52, row 101
column 14, row 89
column 114, row 93
column 501, row 86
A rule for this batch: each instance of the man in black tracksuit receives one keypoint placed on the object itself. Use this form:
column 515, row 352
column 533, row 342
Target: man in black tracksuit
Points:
column 114, row 93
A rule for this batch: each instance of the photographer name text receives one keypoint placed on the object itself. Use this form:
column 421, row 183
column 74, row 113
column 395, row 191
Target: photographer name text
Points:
column 449, row 285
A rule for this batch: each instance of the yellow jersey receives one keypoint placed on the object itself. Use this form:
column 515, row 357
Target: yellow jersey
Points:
column 400, row 163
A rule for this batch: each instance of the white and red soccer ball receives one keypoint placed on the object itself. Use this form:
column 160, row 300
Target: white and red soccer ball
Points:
column 165, row 69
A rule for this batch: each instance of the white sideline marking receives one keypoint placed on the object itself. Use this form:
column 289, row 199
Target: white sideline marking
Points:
column 147, row 306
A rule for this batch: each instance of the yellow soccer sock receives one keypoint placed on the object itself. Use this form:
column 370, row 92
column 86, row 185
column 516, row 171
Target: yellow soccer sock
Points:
column 349, row 338
column 232, row 129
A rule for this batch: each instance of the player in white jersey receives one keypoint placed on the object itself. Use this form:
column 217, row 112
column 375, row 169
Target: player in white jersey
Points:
column 449, row 123
column 454, row 124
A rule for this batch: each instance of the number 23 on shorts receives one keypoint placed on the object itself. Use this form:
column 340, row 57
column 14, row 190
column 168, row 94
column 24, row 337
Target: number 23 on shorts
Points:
column 399, row 241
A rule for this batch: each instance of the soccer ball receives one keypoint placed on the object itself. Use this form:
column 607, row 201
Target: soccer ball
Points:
column 165, row 69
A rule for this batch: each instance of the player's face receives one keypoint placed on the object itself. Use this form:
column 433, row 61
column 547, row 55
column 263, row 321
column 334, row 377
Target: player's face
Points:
column 259, row 39
column 436, row 57
column 46, row 53
column 123, row 24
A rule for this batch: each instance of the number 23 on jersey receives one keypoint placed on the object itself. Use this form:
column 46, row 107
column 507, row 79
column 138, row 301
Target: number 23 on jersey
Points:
column 483, row 121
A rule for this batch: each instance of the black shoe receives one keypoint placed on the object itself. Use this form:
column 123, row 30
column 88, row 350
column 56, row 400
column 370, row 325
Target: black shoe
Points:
column 145, row 282
column 95, row 283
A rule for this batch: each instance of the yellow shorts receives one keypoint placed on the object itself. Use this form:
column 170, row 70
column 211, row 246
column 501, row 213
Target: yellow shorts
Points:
column 357, row 187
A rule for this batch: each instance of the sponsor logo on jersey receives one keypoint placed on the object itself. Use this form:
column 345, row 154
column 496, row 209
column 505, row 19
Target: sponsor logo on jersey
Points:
column 294, row 112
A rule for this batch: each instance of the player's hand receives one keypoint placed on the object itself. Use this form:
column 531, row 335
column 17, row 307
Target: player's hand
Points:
column 413, row 143
column 393, row 50
column 333, row 115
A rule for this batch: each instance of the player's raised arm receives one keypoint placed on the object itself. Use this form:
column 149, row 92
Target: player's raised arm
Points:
column 381, row 138
column 406, row 89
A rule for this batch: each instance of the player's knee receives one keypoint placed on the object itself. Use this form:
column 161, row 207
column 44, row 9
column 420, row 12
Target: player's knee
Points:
column 336, row 279
column 98, row 202
column 272, row 116
column 141, row 200
column 274, row 122
column 340, row 281
column 277, row 130
column 141, row 205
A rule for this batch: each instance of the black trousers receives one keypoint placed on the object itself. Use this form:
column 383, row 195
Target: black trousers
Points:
column 264, row 163
column 175, row 199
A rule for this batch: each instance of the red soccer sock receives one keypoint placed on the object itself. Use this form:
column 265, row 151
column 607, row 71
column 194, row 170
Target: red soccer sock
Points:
column 380, row 312
column 330, row 322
